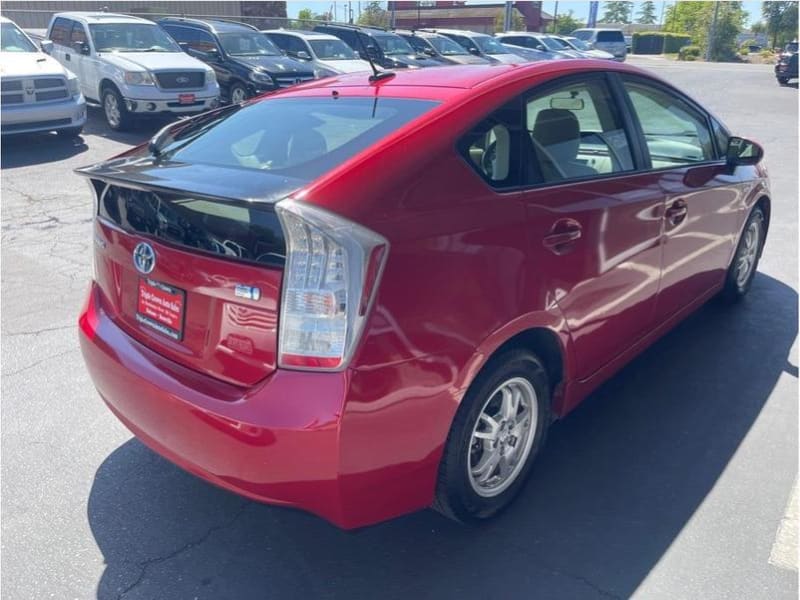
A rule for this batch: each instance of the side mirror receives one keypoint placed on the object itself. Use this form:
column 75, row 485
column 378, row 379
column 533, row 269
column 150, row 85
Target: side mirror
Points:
column 429, row 52
column 47, row 46
column 81, row 48
column 475, row 51
column 743, row 152
column 303, row 55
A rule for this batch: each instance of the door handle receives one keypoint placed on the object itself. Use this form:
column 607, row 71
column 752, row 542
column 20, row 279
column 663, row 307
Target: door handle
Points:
column 676, row 212
column 562, row 236
column 67, row 56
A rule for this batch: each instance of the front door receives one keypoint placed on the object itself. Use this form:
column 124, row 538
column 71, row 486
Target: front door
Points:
column 701, row 214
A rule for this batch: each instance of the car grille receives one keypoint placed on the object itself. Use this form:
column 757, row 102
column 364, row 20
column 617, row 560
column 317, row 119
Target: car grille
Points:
column 287, row 80
column 32, row 90
column 181, row 80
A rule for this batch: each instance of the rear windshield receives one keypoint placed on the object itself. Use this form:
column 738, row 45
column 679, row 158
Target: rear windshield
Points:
column 295, row 137
column 610, row 36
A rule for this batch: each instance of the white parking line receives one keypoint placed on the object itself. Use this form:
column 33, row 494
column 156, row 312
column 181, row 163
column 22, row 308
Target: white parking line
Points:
column 784, row 550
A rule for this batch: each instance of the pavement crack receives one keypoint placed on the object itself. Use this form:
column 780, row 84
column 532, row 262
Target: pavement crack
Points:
column 38, row 362
column 146, row 564
column 39, row 331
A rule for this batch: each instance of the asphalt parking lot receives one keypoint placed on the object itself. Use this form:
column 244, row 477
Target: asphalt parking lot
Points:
column 672, row 481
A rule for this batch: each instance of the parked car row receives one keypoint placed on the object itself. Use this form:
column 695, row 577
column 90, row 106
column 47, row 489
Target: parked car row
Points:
column 134, row 67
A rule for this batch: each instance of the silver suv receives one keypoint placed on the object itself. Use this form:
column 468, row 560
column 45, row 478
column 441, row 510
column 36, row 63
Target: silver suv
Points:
column 608, row 40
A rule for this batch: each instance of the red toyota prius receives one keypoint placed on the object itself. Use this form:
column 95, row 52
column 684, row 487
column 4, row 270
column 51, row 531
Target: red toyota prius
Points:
column 366, row 296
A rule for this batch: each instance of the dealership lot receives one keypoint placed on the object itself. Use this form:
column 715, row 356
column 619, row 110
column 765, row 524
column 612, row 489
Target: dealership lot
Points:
column 672, row 481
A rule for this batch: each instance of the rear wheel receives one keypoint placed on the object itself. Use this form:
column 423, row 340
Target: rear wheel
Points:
column 498, row 431
column 745, row 261
column 115, row 110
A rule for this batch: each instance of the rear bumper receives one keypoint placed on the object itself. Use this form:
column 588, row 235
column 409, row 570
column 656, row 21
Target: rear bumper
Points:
column 276, row 442
column 49, row 116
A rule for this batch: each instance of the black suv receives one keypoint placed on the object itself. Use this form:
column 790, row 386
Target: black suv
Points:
column 245, row 60
column 786, row 67
column 385, row 48
column 440, row 47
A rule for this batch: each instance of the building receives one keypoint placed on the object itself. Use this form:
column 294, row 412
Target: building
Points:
column 457, row 15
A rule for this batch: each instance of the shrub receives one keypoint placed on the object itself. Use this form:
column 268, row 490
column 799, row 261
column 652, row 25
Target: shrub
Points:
column 689, row 53
column 747, row 43
column 744, row 51
column 658, row 42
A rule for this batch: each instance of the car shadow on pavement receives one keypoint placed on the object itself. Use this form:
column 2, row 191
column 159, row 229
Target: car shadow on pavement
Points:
column 142, row 129
column 26, row 149
column 616, row 484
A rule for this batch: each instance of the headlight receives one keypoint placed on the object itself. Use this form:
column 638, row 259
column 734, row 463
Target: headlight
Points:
column 211, row 76
column 74, row 86
column 138, row 78
column 258, row 77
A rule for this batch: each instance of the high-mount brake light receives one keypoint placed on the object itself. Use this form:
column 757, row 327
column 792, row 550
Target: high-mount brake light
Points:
column 333, row 268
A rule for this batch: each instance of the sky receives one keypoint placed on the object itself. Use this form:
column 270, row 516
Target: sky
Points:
column 579, row 8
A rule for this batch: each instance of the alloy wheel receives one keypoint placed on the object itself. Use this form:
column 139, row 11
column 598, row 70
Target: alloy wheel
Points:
column 747, row 255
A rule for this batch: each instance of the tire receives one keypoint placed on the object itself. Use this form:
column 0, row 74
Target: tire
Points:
column 470, row 487
column 783, row 80
column 115, row 111
column 748, row 252
column 238, row 93
column 70, row 132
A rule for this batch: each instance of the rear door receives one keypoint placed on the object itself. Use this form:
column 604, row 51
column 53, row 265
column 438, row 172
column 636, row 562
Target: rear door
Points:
column 702, row 211
column 594, row 217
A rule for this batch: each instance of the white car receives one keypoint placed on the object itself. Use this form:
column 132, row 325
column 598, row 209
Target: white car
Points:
column 38, row 94
column 130, row 66
column 329, row 54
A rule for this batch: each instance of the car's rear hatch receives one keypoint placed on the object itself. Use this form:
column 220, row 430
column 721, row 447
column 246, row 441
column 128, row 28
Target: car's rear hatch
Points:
column 211, row 300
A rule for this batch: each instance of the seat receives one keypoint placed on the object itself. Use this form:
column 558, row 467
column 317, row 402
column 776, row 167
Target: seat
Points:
column 556, row 138
column 306, row 145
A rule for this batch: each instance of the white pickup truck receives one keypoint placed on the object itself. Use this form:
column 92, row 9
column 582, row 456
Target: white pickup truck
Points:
column 38, row 94
column 130, row 66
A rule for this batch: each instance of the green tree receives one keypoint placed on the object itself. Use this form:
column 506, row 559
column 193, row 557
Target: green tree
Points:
column 780, row 20
column 758, row 27
column 517, row 22
column 568, row 23
column 305, row 17
column 617, row 12
column 694, row 18
column 373, row 15
column 647, row 13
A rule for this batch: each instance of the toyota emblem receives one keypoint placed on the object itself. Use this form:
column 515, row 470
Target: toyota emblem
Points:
column 144, row 258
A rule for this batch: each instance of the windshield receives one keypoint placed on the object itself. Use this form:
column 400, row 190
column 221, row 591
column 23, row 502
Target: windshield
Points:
column 446, row 47
column 790, row 47
column 248, row 43
column 332, row 50
column 298, row 137
column 557, row 44
column 394, row 44
column 131, row 37
column 489, row 45
column 577, row 44
column 13, row 40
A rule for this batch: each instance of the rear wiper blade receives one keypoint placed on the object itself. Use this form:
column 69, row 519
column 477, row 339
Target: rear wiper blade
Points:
column 182, row 129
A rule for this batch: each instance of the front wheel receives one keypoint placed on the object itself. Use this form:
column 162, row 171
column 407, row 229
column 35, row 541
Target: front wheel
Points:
column 496, row 434
column 115, row 110
column 745, row 261
column 238, row 93
column 783, row 80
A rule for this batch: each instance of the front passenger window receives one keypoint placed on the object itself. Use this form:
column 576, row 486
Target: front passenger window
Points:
column 675, row 133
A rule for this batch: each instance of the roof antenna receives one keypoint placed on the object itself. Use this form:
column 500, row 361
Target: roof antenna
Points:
column 376, row 75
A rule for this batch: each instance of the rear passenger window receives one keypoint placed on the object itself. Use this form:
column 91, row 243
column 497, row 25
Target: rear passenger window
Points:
column 575, row 131
column 491, row 148
column 59, row 32
column 610, row 36
column 675, row 133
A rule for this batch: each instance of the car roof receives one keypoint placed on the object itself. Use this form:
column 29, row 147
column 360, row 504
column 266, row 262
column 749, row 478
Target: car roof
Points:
column 306, row 35
column 101, row 17
column 214, row 25
column 363, row 28
column 458, row 32
column 417, row 32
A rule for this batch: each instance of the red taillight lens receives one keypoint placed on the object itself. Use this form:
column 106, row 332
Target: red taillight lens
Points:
column 332, row 270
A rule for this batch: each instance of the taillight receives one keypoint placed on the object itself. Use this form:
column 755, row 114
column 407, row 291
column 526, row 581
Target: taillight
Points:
column 333, row 268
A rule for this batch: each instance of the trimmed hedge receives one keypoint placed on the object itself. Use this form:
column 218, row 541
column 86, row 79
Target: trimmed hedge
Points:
column 659, row 42
column 689, row 53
